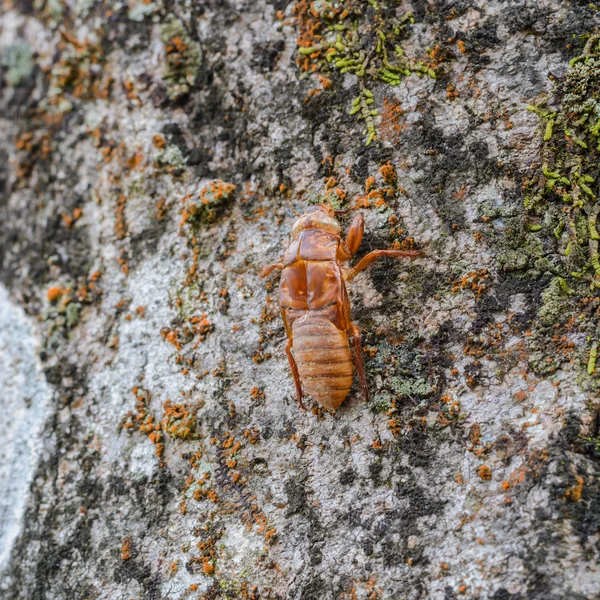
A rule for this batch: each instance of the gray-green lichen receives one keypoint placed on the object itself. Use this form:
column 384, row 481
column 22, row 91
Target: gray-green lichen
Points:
column 183, row 58
column 17, row 61
column 171, row 156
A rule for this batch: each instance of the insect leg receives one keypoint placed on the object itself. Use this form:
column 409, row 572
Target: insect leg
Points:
column 295, row 373
column 355, row 233
column 369, row 258
column 355, row 333
column 269, row 268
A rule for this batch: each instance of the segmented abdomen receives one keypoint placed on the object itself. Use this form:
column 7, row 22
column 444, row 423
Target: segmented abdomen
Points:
column 324, row 360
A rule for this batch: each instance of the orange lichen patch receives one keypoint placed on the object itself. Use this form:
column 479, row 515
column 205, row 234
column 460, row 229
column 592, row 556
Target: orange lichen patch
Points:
column 451, row 92
column 257, row 394
column 208, row 568
column 193, row 587
column 201, row 327
column 143, row 420
column 259, row 356
column 520, row 396
column 506, row 486
column 574, row 492
column 172, row 338
column 484, row 472
column 179, row 420
column 130, row 91
column 135, row 162
column 373, row 198
column 173, row 568
column 461, row 194
column 475, row 281
column 176, row 45
column 54, row 294
column 252, row 435
column 461, row 46
column 376, row 444
column 126, row 549
column 391, row 127
column 197, row 328
column 325, row 83
column 121, row 223
column 309, row 24
column 162, row 209
column 459, row 478
column 388, row 172
column 79, row 70
column 158, row 141
column 67, row 220
column 122, row 260
column 474, row 435
column 311, row 94
column 248, row 593
column 207, row 205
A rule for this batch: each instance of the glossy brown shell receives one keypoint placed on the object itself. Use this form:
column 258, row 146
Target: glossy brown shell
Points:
column 315, row 309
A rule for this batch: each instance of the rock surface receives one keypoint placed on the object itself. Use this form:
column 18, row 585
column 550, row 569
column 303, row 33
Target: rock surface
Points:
column 152, row 444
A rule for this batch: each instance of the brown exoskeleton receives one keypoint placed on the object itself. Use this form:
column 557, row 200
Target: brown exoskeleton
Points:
column 315, row 306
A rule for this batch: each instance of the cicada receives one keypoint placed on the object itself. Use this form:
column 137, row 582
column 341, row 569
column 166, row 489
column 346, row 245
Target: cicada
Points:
column 322, row 340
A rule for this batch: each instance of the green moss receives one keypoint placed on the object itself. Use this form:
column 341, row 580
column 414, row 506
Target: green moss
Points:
column 183, row 60
column 367, row 44
column 564, row 190
column 361, row 108
column 568, row 178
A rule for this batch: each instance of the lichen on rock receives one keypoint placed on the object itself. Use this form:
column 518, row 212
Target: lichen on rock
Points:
column 150, row 165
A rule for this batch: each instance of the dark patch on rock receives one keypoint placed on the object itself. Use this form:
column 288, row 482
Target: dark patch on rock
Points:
column 295, row 489
column 347, row 477
column 266, row 55
column 507, row 286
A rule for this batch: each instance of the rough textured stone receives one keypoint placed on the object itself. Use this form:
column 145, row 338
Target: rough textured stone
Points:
column 152, row 445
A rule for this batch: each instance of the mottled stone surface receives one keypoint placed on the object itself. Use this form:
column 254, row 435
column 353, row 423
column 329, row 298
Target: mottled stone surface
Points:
column 152, row 445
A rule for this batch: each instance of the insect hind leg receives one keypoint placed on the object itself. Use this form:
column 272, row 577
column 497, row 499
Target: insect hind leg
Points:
column 357, row 350
column 295, row 373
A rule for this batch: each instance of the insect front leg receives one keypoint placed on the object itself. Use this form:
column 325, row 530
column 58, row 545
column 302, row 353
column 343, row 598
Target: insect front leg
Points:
column 350, row 274
column 270, row 268
column 355, row 233
column 357, row 350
